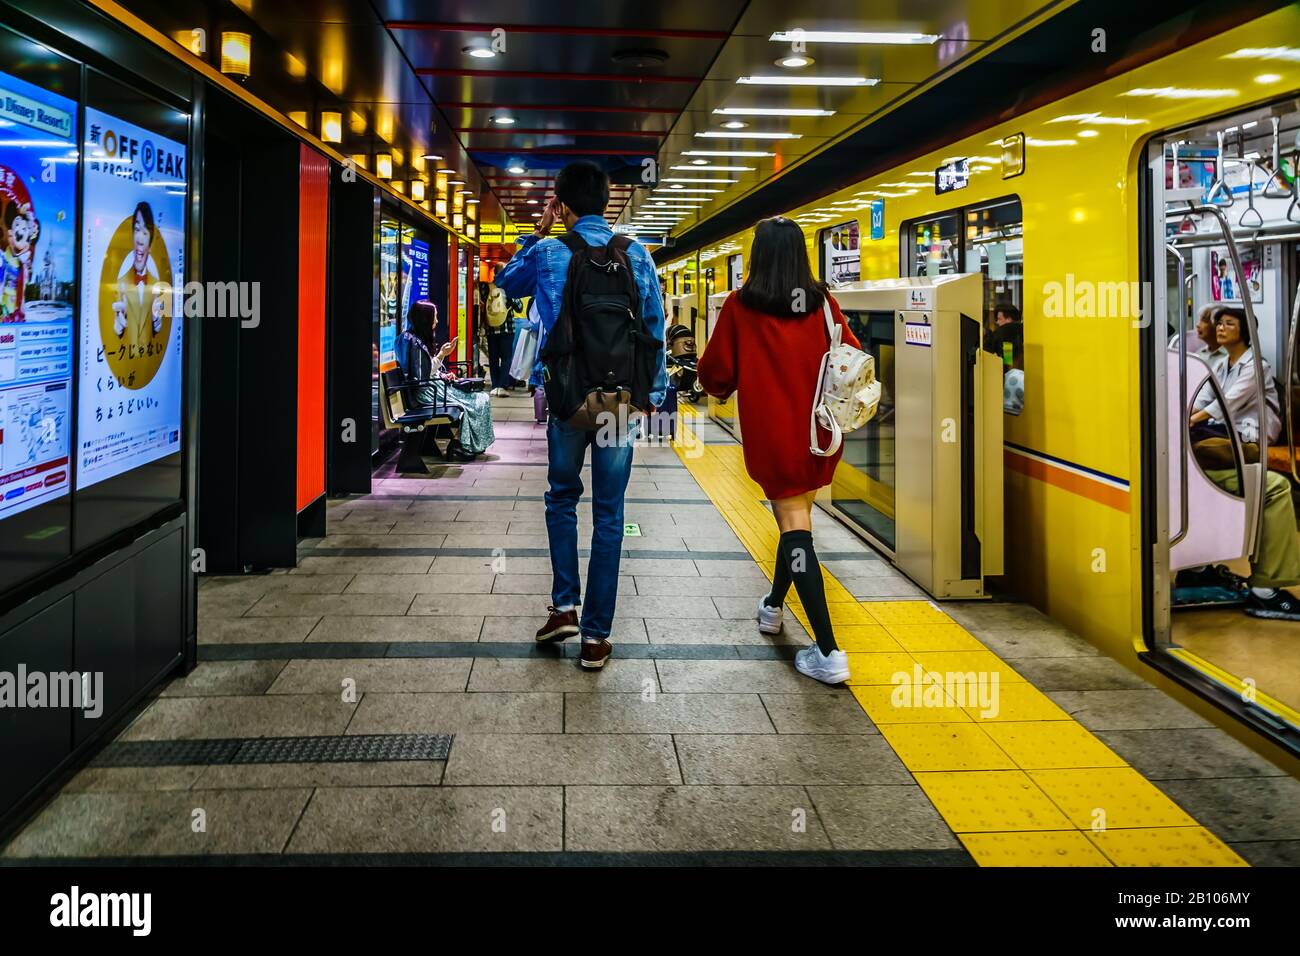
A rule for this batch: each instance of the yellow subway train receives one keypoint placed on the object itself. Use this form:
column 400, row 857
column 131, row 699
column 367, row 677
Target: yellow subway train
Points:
column 1103, row 224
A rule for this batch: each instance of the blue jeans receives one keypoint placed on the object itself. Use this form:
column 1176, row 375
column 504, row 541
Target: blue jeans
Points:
column 611, row 467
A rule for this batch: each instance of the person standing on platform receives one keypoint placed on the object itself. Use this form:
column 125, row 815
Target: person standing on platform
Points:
column 540, row 269
column 768, row 346
column 500, row 338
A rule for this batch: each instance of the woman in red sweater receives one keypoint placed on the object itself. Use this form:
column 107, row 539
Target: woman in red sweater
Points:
column 768, row 346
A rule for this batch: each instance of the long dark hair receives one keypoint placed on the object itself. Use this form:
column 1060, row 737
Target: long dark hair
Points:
column 779, row 269
column 421, row 320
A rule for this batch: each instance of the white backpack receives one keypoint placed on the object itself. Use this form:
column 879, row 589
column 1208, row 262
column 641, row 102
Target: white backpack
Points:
column 497, row 307
column 847, row 391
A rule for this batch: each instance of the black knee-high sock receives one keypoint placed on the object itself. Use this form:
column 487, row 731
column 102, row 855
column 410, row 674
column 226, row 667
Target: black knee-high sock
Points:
column 800, row 558
column 781, row 577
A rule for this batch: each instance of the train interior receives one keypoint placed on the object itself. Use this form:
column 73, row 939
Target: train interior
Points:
column 1231, row 231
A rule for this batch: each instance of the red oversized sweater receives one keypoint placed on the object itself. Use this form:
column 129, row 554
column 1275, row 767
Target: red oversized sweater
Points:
column 772, row 362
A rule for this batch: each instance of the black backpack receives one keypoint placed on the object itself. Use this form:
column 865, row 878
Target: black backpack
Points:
column 599, row 358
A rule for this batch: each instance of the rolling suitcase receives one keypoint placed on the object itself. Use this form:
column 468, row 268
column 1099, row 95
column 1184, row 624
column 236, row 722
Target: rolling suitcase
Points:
column 539, row 406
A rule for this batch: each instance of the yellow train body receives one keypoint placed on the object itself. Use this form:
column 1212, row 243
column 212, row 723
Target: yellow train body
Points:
column 1074, row 542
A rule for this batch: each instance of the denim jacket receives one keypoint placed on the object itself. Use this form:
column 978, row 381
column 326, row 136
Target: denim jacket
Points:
column 540, row 266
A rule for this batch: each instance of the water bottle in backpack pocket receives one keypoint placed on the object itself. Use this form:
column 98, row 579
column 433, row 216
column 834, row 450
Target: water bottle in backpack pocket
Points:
column 599, row 358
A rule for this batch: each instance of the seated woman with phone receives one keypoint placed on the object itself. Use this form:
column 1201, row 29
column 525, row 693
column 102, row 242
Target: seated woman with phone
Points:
column 422, row 365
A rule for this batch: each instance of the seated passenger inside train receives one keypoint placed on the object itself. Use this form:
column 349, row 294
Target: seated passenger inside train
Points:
column 1206, row 344
column 1278, row 568
column 1235, row 374
column 421, row 364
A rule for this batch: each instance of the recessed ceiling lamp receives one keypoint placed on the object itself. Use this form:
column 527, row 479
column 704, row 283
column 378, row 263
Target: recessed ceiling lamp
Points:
column 431, row 158
column 640, row 58
column 735, row 124
column 764, row 80
column 532, row 202
column 754, row 134
column 527, row 184
column 764, row 111
column 516, row 170
column 795, row 61
column 744, row 154
column 480, row 48
column 502, row 120
column 852, row 36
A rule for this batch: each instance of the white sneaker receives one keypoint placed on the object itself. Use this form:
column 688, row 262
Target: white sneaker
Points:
column 832, row 668
column 499, row 392
column 769, row 618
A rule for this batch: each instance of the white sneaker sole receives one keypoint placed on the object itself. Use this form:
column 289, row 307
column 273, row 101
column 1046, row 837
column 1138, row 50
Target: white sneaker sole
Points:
column 825, row 677
column 765, row 627
column 559, row 634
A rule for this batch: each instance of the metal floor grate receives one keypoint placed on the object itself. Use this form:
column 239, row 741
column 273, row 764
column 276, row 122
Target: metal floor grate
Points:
column 359, row 748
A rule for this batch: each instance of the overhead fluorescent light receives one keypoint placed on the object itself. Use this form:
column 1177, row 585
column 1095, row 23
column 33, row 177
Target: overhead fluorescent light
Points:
column 852, row 36
column 792, row 80
column 742, row 153
column 1289, row 53
column 1180, row 93
column 719, row 169
column 688, row 180
column 673, row 190
column 763, row 111
column 753, row 134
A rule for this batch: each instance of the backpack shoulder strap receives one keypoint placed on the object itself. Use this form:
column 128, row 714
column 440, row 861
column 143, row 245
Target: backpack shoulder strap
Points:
column 832, row 327
column 574, row 242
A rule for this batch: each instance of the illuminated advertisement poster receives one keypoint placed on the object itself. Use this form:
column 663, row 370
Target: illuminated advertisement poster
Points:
column 462, row 302
column 736, row 270
column 842, row 256
column 38, row 189
column 389, row 280
column 133, row 266
column 415, row 270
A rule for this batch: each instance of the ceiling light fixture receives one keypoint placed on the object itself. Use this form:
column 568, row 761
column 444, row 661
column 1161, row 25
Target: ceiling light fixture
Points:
column 480, row 48
column 742, row 153
column 764, row 80
column 502, row 120
column 852, row 36
column 795, row 61
column 702, row 164
column 515, row 170
column 764, row 111
column 331, row 127
column 705, row 181
column 735, row 124
column 754, row 134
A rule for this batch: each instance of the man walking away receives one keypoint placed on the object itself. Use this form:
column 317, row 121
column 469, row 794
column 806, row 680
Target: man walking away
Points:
column 540, row 268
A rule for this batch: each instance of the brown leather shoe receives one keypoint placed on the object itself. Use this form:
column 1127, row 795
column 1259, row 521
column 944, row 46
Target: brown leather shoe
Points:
column 595, row 654
column 560, row 625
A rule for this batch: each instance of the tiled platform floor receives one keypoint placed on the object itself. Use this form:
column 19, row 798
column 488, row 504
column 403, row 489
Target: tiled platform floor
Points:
column 416, row 614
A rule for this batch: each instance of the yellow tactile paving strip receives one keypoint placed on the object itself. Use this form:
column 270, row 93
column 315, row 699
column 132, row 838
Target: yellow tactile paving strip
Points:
column 1016, row 778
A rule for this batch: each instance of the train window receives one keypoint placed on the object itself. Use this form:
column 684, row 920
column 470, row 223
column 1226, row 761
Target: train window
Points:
column 986, row 238
column 840, row 253
column 935, row 249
